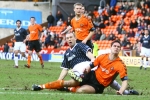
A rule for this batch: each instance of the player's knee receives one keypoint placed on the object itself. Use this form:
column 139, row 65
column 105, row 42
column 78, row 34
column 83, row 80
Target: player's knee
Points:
column 81, row 90
column 30, row 53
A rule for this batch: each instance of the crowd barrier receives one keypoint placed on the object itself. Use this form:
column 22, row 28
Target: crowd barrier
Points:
column 129, row 61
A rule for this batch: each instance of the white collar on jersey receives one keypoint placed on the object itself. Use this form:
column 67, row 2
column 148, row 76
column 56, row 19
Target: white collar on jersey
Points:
column 18, row 28
column 73, row 47
column 146, row 36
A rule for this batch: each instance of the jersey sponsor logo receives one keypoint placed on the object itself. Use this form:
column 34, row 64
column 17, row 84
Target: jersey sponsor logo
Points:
column 70, row 58
column 32, row 32
column 145, row 41
column 17, row 34
column 78, row 30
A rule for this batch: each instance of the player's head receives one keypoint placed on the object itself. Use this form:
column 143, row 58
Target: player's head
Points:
column 71, row 40
column 18, row 23
column 146, row 32
column 32, row 20
column 82, row 10
column 115, row 47
column 77, row 8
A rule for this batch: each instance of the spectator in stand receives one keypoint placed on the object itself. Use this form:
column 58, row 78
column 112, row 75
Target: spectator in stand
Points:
column 148, row 12
column 47, row 39
column 125, row 5
column 6, row 47
column 143, row 12
column 148, row 29
column 111, row 37
column 45, row 31
column 147, row 21
column 139, row 13
column 102, row 4
column 59, row 16
column 133, row 24
column 71, row 15
column 100, row 10
column 59, row 40
column 60, row 22
column 125, row 42
column 131, row 33
column 95, row 12
column 96, row 23
column 103, row 36
column 137, row 34
column 142, row 32
column 50, row 20
column 97, row 34
column 52, row 42
column 102, row 25
column 68, row 21
column 130, row 6
column 136, row 47
column 112, row 11
column 90, row 13
column 146, row 4
column 64, row 42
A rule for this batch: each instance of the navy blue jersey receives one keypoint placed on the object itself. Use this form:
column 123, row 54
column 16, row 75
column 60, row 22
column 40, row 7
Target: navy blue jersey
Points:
column 75, row 55
column 20, row 34
column 145, row 41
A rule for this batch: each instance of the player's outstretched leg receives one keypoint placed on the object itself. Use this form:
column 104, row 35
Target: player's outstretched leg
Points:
column 72, row 74
column 51, row 85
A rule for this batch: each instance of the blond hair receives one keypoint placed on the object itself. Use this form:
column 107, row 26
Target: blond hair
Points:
column 78, row 4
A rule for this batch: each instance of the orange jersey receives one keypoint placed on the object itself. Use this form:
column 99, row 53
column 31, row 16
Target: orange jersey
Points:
column 81, row 27
column 108, row 70
column 34, row 31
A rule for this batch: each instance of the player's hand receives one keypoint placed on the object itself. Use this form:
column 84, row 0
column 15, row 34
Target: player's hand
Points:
column 41, row 39
column 24, row 41
column 84, row 41
column 11, row 39
column 92, row 60
column 119, row 93
column 62, row 33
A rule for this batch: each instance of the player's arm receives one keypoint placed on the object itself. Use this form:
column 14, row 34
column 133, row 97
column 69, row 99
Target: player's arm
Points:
column 94, row 63
column 65, row 66
column 63, row 74
column 90, row 55
column 66, row 30
column 13, row 38
column 25, row 36
column 89, row 35
column 41, row 31
column 123, row 87
column 91, row 32
column 122, row 70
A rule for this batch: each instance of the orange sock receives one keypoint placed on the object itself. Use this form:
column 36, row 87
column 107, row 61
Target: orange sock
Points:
column 41, row 60
column 29, row 60
column 73, row 89
column 53, row 85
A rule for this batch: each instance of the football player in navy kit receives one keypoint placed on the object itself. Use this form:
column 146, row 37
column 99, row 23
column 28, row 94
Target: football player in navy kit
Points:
column 145, row 49
column 20, row 39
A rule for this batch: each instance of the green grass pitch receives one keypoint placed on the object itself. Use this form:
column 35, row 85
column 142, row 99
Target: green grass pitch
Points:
column 15, row 84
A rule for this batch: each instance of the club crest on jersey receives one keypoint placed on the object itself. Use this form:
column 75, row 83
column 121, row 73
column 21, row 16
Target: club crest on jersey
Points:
column 112, row 68
column 81, row 25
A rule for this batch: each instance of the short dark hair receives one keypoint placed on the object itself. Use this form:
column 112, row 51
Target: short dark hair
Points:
column 116, row 41
column 18, row 21
column 32, row 17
